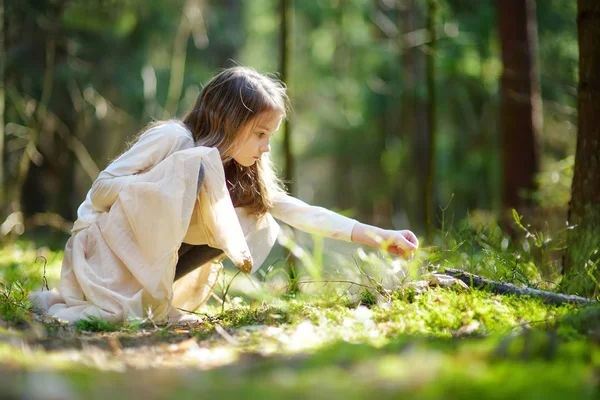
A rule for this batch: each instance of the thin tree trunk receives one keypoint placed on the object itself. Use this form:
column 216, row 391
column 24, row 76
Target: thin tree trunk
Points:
column 344, row 183
column 431, row 125
column 2, row 103
column 285, row 10
column 385, row 123
column 413, row 120
column 583, row 252
column 226, row 48
column 520, row 114
column 178, row 58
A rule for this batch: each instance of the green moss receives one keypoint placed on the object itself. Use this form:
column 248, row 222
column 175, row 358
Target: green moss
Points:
column 437, row 344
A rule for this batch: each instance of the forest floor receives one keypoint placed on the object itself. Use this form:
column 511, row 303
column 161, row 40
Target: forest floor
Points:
column 418, row 342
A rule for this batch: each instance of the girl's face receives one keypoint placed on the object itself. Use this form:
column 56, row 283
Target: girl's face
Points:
column 255, row 137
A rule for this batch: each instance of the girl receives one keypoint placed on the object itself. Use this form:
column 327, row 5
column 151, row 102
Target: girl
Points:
column 157, row 221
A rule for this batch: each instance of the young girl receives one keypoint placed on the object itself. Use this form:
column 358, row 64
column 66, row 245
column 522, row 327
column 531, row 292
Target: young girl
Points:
column 157, row 221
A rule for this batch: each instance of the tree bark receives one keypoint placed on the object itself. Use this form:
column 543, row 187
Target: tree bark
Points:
column 429, row 194
column 520, row 112
column 285, row 10
column 2, row 104
column 583, row 252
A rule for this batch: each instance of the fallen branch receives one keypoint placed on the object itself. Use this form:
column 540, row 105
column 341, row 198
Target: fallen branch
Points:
column 479, row 282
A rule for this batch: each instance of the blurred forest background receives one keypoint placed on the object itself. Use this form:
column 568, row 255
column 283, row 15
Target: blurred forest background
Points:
column 473, row 123
column 402, row 108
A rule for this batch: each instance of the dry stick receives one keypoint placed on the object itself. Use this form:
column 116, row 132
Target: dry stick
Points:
column 479, row 282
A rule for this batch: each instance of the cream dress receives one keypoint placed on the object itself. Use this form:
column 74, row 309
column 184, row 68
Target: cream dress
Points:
column 120, row 260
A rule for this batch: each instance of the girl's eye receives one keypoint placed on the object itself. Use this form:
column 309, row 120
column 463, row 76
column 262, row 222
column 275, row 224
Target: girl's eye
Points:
column 261, row 134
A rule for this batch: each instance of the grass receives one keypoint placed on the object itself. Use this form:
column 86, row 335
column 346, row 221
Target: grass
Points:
column 331, row 340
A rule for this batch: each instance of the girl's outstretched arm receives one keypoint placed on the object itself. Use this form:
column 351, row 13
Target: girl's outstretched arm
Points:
column 324, row 222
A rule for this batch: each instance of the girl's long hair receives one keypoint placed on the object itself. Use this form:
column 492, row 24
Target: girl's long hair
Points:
column 229, row 101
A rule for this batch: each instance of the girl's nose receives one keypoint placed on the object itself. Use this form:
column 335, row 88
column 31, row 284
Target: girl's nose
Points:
column 265, row 148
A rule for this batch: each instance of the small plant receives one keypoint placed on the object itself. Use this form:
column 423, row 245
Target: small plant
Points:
column 544, row 246
column 14, row 306
column 95, row 324
column 367, row 298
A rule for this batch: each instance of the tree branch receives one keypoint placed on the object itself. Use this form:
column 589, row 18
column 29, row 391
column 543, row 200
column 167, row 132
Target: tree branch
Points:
column 479, row 282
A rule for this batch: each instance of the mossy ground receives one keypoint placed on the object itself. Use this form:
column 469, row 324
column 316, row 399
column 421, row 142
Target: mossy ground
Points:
column 438, row 343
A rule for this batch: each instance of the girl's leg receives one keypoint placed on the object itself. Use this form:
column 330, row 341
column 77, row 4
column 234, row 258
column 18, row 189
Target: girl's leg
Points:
column 194, row 256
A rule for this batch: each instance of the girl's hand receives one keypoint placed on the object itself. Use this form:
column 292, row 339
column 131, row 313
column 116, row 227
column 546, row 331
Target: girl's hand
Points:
column 402, row 242
column 396, row 242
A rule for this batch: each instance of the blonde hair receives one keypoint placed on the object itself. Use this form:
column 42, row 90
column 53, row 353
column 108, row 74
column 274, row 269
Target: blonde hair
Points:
column 231, row 99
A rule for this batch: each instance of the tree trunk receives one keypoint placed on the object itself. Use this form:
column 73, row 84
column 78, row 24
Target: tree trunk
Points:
column 384, row 126
column 2, row 102
column 344, row 193
column 285, row 11
column 429, row 189
column 178, row 57
column 413, row 119
column 583, row 251
column 225, row 47
column 520, row 113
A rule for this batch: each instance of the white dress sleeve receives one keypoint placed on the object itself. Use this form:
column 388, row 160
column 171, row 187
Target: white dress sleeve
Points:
column 312, row 219
column 152, row 147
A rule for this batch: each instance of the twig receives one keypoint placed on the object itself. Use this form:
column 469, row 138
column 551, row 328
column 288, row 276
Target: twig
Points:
column 378, row 286
column 192, row 312
column 44, row 276
column 225, row 335
column 343, row 294
column 477, row 281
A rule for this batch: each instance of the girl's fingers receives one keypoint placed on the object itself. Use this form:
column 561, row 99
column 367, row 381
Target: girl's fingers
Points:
column 406, row 243
column 403, row 242
column 411, row 237
column 399, row 251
